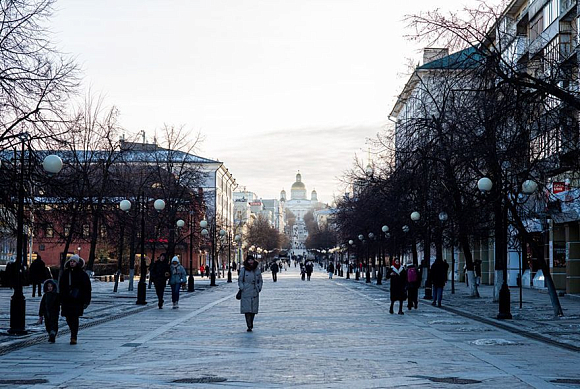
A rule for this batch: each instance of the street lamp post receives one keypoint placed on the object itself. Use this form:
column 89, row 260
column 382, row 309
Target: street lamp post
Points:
column 203, row 224
column 368, row 272
column 357, row 273
column 350, row 243
column 190, row 280
column 443, row 218
column 159, row 206
column 52, row 164
column 125, row 206
column 485, row 185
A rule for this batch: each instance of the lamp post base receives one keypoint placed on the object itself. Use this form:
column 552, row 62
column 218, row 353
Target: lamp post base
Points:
column 380, row 277
column 504, row 303
column 368, row 277
column 190, row 284
column 212, row 278
column 348, row 274
column 141, row 293
column 229, row 275
column 17, row 315
column 357, row 275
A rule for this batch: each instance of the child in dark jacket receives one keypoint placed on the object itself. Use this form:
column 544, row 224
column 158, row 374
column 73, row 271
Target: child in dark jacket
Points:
column 49, row 309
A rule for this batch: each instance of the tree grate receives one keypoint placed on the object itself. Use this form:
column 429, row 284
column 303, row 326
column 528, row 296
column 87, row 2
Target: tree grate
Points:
column 450, row 380
column 23, row 382
column 201, row 380
column 573, row 381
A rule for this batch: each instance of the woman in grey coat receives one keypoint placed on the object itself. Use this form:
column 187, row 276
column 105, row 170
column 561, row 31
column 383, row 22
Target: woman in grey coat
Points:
column 250, row 283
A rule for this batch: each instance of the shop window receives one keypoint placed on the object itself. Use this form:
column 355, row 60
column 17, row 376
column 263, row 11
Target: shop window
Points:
column 559, row 254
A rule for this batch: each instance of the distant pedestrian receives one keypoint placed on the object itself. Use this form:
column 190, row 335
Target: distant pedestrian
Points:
column 309, row 267
column 160, row 274
column 477, row 270
column 413, row 283
column 250, row 283
column 49, row 309
column 177, row 277
column 330, row 270
column 207, row 271
column 274, row 268
column 75, row 294
column 438, row 279
column 398, row 277
column 37, row 274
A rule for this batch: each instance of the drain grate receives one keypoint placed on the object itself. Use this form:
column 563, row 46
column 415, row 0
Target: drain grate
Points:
column 450, row 380
column 573, row 381
column 201, row 380
column 131, row 345
column 23, row 382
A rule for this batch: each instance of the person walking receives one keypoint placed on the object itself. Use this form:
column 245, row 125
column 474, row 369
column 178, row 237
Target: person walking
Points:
column 160, row 274
column 250, row 283
column 438, row 279
column 75, row 293
column 309, row 268
column 38, row 273
column 177, row 277
column 398, row 277
column 49, row 309
column 330, row 270
column 413, row 283
column 274, row 268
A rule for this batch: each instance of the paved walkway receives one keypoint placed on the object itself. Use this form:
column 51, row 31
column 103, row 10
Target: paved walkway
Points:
column 318, row 334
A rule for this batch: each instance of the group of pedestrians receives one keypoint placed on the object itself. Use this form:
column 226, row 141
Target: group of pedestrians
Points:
column 306, row 270
column 71, row 298
column 162, row 272
column 405, row 283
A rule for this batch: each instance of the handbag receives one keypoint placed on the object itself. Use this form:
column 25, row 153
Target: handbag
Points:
column 239, row 295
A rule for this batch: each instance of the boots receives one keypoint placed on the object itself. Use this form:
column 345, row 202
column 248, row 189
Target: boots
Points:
column 175, row 305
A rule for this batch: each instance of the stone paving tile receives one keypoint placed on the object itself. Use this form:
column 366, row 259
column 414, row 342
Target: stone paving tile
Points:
column 319, row 334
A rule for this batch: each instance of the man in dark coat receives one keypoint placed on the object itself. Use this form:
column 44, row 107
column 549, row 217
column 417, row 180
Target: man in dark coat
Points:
column 75, row 293
column 439, row 279
column 309, row 268
column 37, row 274
column 398, row 277
column 274, row 268
column 160, row 274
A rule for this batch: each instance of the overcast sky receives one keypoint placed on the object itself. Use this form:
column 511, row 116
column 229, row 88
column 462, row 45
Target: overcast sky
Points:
column 274, row 86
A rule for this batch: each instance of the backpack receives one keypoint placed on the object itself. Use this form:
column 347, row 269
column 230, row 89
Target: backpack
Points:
column 412, row 274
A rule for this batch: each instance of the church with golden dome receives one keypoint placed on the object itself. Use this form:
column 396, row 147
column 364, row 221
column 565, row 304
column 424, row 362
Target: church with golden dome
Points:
column 299, row 205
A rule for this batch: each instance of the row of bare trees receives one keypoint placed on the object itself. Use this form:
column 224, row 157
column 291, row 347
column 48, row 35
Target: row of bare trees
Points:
column 478, row 112
column 101, row 167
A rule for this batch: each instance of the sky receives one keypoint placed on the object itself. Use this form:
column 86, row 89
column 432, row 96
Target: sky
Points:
column 273, row 86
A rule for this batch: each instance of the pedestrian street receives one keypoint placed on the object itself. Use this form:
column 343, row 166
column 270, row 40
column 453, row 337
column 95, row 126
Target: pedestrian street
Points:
column 309, row 334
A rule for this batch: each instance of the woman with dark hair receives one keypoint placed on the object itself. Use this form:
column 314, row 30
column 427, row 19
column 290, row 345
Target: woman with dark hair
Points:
column 250, row 283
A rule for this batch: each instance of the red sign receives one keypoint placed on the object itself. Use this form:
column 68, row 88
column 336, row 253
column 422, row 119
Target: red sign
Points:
column 558, row 187
column 254, row 203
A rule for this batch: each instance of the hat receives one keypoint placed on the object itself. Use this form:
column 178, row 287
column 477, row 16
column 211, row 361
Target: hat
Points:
column 75, row 258
column 250, row 256
column 175, row 259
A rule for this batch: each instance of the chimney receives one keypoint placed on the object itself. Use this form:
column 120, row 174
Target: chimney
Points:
column 431, row 54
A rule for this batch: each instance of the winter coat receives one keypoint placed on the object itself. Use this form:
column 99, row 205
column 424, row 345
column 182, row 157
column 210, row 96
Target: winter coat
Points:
column 309, row 268
column 439, row 273
column 398, row 279
column 178, row 275
column 38, row 271
column 274, row 267
column 330, row 267
column 50, row 303
column 74, row 289
column 417, row 283
column 159, row 272
column 250, row 282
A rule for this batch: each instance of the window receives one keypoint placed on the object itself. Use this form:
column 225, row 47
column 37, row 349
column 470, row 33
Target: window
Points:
column 49, row 231
column 103, row 231
column 536, row 28
column 86, row 230
column 67, row 230
column 551, row 12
